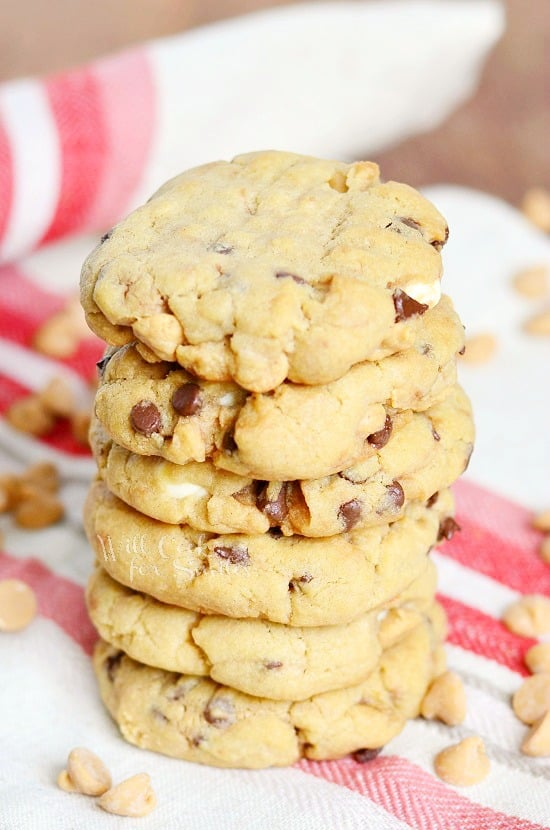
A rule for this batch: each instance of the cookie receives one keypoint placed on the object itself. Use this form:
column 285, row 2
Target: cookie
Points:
column 159, row 409
column 292, row 580
column 198, row 720
column 414, row 455
column 260, row 658
column 268, row 267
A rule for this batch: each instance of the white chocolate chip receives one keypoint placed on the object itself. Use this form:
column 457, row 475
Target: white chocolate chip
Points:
column 17, row 605
column 529, row 616
column 87, row 772
column 532, row 282
column 427, row 293
column 229, row 399
column 537, row 659
column 445, row 700
column 133, row 797
column 463, row 764
column 532, row 699
column 537, row 740
column 184, row 490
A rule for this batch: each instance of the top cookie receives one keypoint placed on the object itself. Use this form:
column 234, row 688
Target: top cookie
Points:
column 271, row 266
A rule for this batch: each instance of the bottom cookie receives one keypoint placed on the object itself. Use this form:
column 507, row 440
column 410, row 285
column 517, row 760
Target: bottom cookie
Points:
column 196, row 719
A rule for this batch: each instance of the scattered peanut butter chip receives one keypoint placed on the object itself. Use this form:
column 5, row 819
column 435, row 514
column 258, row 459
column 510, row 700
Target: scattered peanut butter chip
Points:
column 537, row 659
column 43, row 475
column 29, row 415
column 542, row 521
column 544, row 549
column 532, row 699
column 58, row 397
column 480, row 348
column 535, row 206
column 80, row 427
column 445, row 700
column 37, row 509
column 463, row 764
column 539, row 324
column 17, row 605
column 85, row 773
column 60, row 335
column 529, row 616
column 537, row 740
column 133, row 797
column 532, row 282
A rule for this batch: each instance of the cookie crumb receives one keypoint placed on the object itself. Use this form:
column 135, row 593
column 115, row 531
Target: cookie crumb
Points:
column 86, row 773
column 445, row 700
column 537, row 741
column 17, row 605
column 134, row 797
column 537, row 658
column 463, row 764
column 479, row 348
column 529, row 616
column 532, row 282
column 535, row 206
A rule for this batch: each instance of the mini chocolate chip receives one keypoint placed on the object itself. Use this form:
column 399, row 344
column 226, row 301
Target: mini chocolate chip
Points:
column 350, row 513
column 187, row 399
column 405, row 306
column 220, row 713
column 234, row 555
column 432, row 500
column 145, row 418
column 304, row 579
column 462, row 350
column 273, row 664
column 363, row 756
column 436, row 435
column 229, row 445
column 438, row 244
column 447, row 529
column 112, row 663
column 396, row 494
column 275, row 510
column 221, row 248
column 410, row 223
column 101, row 364
column 197, row 740
column 380, row 439
column 282, row 274
column 275, row 532
column 105, row 237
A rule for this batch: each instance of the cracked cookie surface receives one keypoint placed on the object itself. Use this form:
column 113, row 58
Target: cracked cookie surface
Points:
column 292, row 580
column 411, row 458
column 199, row 720
column 159, row 409
column 268, row 267
column 260, row 658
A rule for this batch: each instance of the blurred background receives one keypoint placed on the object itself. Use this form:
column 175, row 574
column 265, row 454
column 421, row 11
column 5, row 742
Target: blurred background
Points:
column 496, row 142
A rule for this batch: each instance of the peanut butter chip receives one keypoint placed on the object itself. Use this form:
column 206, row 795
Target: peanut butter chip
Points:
column 532, row 282
column 537, row 658
column 537, row 740
column 542, row 521
column 85, row 773
column 17, row 605
column 58, row 398
column 532, row 699
column 529, row 617
column 479, row 349
column 536, row 207
column 133, row 797
column 544, row 549
column 445, row 700
column 463, row 764
column 538, row 325
column 37, row 509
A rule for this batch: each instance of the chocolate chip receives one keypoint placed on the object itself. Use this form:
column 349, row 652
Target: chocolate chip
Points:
column 273, row 664
column 395, row 494
column 145, row 418
column 350, row 513
column 275, row 532
column 229, row 445
column 101, row 364
column 447, row 529
column 462, row 350
column 410, row 223
column 432, row 500
column 112, row 663
column 105, row 237
column 237, row 555
column 276, row 510
column 363, row 756
column 158, row 715
column 197, row 740
column 221, row 248
column 380, row 439
column 220, row 713
column 405, row 306
column 187, row 399
column 304, row 579
column 282, row 274
column 436, row 435
column 438, row 244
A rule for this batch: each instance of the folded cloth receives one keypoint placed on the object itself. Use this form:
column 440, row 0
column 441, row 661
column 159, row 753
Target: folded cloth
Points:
column 78, row 149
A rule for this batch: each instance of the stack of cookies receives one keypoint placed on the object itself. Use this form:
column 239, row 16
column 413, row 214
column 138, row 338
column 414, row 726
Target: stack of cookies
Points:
column 276, row 428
